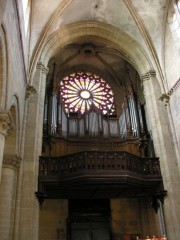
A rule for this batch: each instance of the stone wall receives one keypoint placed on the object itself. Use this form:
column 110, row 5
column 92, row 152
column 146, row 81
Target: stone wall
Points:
column 53, row 220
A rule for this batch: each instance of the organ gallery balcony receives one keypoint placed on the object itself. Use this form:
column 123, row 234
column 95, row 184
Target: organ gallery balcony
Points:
column 95, row 174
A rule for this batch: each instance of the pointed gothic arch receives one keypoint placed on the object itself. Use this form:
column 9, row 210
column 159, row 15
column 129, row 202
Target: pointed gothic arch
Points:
column 125, row 45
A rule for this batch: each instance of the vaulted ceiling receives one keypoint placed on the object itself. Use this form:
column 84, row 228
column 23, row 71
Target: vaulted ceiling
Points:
column 143, row 21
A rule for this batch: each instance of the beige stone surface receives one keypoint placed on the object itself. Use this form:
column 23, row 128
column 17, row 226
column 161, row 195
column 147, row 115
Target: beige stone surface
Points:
column 53, row 220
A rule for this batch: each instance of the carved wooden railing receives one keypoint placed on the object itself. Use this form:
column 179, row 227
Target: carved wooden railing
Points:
column 153, row 238
column 98, row 161
column 95, row 173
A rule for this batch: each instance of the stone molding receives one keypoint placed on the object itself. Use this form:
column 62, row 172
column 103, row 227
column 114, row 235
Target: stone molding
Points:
column 148, row 75
column 11, row 161
column 175, row 86
column 6, row 123
column 30, row 91
column 40, row 66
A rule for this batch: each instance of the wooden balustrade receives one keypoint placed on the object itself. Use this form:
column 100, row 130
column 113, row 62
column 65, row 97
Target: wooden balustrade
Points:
column 99, row 175
column 153, row 238
column 137, row 237
column 98, row 161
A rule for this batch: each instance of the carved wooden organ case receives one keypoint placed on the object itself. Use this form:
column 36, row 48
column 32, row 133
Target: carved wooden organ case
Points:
column 95, row 140
column 81, row 109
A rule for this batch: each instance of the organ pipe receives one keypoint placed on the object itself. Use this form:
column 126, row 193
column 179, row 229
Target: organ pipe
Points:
column 54, row 114
column 93, row 124
column 133, row 117
column 45, row 122
column 59, row 115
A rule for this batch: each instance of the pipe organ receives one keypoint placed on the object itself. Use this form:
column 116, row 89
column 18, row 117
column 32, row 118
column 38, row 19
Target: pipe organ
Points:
column 96, row 146
column 93, row 123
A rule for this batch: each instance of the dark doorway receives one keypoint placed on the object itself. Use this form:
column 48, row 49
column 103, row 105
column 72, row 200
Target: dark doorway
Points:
column 89, row 220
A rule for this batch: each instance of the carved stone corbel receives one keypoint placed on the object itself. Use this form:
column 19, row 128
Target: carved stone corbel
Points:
column 6, row 123
column 148, row 75
column 30, row 91
column 12, row 161
column 165, row 98
column 41, row 66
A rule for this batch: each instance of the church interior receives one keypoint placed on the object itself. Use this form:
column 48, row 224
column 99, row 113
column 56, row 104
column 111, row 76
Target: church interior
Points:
column 89, row 119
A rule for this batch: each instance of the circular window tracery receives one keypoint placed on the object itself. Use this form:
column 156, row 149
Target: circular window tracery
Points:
column 81, row 91
column 85, row 94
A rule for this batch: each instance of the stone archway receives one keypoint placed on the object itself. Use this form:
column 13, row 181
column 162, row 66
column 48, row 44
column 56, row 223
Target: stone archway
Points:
column 124, row 44
column 130, row 50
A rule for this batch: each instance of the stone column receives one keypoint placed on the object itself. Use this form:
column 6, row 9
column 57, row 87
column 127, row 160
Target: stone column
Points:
column 6, row 127
column 7, row 196
column 30, row 91
column 158, row 123
column 29, row 216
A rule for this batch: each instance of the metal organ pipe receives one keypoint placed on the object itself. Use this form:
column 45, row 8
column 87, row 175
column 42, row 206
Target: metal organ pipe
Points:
column 52, row 104
column 123, row 125
column 133, row 116
column 45, row 122
column 53, row 114
column 140, row 118
column 92, row 124
column 59, row 115
column 138, row 114
column 128, row 116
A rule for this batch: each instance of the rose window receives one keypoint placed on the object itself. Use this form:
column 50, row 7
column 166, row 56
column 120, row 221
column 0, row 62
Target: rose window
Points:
column 81, row 91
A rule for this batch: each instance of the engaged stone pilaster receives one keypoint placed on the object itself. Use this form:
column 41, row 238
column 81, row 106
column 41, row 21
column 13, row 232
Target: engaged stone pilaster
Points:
column 6, row 123
column 34, row 131
column 165, row 98
column 7, row 194
column 12, row 161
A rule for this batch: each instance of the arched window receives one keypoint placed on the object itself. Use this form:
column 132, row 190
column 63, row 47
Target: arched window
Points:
column 82, row 91
column 178, row 5
column 174, row 22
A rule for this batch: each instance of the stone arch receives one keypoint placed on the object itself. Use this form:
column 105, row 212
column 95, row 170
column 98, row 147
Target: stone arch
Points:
column 125, row 45
column 3, row 68
column 130, row 50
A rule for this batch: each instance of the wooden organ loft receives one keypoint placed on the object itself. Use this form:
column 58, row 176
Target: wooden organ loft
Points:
column 92, row 149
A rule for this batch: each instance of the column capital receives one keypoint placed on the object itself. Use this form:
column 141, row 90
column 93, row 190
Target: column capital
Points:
column 40, row 66
column 6, row 123
column 148, row 75
column 12, row 161
column 30, row 91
